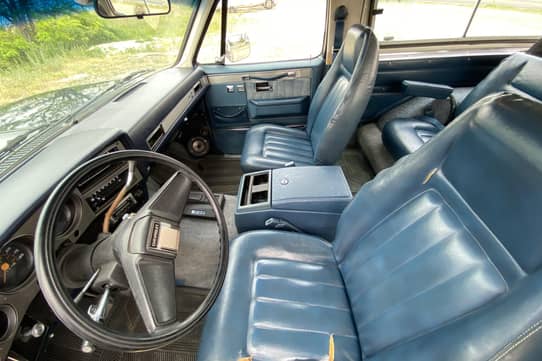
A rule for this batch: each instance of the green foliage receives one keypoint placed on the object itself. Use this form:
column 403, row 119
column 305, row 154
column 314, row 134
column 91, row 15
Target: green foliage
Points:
column 79, row 32
column 13, row 47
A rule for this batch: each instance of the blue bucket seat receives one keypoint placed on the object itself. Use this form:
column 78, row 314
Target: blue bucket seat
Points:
column 334, row 113
column 520, row 73
column 438, row 258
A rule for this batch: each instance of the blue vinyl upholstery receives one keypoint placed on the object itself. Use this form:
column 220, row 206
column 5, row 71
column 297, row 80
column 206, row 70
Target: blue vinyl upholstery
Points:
column 438, row 258
column 405, row 135
column 334, row 113
column 519, row 74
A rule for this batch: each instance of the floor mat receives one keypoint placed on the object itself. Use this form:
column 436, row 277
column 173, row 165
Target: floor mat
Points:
column 356, row 169
column 222, row 174
column 197, row 261
column 65, row 346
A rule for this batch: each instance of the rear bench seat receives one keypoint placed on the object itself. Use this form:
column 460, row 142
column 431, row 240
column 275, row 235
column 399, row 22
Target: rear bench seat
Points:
column 520, row 74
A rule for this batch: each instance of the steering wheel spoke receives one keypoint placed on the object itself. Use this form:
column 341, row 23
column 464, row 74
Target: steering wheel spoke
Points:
column 152, row 282
column 146, row 248
column 170, row 200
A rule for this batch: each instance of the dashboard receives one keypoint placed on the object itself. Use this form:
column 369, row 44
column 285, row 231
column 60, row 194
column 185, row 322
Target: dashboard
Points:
column 144, row 118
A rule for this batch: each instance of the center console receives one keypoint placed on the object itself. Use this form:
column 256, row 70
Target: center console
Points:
column 304, row 199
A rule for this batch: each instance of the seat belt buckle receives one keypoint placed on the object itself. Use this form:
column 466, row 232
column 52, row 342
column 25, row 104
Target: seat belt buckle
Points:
column 281, row 224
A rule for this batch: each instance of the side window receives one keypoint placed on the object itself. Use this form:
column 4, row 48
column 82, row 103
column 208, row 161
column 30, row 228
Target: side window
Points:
column 266, row 30
column 414, row 20
column 501, row 18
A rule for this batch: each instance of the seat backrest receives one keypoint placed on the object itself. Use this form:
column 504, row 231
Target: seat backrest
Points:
column 441, row 254
column 519, row 73
column 343, row 94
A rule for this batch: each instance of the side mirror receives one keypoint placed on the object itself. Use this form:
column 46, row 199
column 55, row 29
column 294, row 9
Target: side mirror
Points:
column 131, row 8
column 237, row 47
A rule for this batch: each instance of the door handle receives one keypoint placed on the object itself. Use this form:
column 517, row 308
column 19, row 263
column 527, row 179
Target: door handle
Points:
column 263, row 87
column 290, row 74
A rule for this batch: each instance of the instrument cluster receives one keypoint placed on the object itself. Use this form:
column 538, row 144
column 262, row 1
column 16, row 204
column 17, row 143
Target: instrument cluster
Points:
column 16, row 263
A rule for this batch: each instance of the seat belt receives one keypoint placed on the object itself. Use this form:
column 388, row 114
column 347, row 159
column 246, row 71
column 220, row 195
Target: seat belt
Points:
column 341, row 13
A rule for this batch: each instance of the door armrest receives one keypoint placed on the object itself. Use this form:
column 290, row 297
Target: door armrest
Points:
column 427, row 90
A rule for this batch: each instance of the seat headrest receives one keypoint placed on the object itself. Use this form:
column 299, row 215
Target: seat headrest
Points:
column 355, row 40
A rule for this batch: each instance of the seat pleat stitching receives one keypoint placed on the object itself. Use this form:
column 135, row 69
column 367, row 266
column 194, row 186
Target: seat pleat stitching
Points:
column 287, row 157
column 353, row 245
column 257, row 299
column 391, row 238
column 266, row 326
column 271, row 261
column 440, row 243
column 279, row 133
column 274, row 138
column 285, row 142
column 288, row 153
column 306, row 285
column 292, row 150
column 287, row 145
column 476, row 240
column 289, row 260
column 444, row 242
column 460, row 274
column 286, row 302
column 298, row 280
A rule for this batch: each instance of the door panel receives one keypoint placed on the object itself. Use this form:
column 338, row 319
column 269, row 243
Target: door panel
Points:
column 455, row 71
column 241, row 96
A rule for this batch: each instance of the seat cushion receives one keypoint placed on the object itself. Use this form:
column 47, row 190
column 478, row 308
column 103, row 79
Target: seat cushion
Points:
column 270, row 146
column 282, row 298
column 405, row 135
column 438, row 258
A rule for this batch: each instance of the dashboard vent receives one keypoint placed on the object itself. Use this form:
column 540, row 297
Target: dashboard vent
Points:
column 155, row 137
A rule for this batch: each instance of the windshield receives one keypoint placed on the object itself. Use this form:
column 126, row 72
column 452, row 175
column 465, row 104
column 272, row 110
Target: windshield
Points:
column 57, row 56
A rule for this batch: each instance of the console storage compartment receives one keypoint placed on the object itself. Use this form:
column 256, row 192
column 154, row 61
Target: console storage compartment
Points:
column 255, row 190
column 310, row 199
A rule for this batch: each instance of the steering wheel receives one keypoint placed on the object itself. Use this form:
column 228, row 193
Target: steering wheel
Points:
column 138, row 256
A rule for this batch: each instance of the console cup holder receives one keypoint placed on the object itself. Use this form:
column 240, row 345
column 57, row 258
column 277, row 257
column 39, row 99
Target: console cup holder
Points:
column 255, row 189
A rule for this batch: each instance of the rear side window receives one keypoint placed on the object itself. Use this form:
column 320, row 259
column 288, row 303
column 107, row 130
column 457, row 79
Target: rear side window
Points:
column 418, row 20
column 260, row 31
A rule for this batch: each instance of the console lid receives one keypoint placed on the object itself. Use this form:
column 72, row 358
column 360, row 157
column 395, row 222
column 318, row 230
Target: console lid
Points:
column 321, row 188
